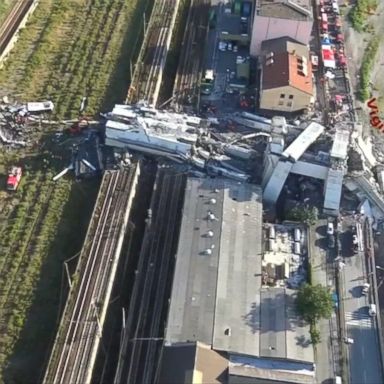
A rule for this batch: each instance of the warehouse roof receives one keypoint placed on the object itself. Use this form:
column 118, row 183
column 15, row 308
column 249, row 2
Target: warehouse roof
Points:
column 218, row 266
column 282, row 333
column 243, row 370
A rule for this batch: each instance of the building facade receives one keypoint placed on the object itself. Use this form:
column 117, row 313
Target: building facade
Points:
column 286, row 76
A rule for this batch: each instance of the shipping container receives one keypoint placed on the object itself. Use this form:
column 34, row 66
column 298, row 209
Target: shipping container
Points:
column 297, row 248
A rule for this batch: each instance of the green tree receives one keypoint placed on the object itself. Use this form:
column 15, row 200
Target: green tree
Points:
column 307, row 215
column 314, row 302
column 315, row 335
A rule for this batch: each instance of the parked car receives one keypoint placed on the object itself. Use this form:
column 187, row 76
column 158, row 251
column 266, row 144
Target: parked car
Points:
column 243, row 28
column 348, row 340
column 372, row 310
column 330, row 229
column 222, row 46
column 365, row 289
column 331, row 241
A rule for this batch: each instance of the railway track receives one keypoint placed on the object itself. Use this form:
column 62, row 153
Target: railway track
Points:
column 148, row 73
column 12, row 24
column 143, row 333
column 186, row 88
column 78, row 337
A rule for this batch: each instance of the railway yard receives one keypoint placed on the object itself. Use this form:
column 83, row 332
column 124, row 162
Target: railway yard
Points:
column 123, row 286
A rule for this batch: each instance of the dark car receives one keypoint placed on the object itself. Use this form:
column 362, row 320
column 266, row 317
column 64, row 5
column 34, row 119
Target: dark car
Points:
column 331, row 241
column 244, row 28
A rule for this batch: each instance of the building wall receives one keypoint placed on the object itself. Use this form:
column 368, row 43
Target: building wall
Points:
column 270, row 99
column 266, row 28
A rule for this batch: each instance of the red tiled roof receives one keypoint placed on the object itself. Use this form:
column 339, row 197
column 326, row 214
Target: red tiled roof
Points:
column 285, row 71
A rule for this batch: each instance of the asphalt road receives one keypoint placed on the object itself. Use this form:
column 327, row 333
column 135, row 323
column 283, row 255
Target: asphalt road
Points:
column 324, row 355
column 364, row 353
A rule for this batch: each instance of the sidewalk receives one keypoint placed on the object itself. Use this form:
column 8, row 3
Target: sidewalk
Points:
column 323, row 351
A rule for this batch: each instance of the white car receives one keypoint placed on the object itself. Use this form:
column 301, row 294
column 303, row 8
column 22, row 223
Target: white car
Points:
column 348, row 340
column 372, row 310
column 330, row 229
column 229, row 46
column 235, row 48
column 222, row 46
column 365, row 289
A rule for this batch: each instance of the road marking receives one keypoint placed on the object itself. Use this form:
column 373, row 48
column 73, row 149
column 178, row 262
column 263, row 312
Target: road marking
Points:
column 358, row 319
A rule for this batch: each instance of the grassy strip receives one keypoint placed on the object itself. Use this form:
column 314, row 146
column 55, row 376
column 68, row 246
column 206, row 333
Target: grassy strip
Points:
column 366, row 69
column 5, row 8
column 360, row 11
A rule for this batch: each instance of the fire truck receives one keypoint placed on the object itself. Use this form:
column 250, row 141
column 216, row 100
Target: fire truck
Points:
column 14, row 177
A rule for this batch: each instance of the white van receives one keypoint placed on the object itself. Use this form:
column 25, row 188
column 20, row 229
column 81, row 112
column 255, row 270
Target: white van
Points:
column 372, row 310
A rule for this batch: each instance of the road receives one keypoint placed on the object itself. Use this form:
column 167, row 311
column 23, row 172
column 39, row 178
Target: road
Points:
column 325, row 350
column 359, row 325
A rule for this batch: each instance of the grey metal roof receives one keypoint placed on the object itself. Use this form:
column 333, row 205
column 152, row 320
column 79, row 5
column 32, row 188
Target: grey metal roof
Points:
column 232, row 270
column 239, row 280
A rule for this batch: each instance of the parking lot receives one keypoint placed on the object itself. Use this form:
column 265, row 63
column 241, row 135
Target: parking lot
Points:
column 227, row 54
column 333, row 76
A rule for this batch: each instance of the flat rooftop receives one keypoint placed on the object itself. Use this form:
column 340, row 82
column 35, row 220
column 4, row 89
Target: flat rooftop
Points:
column 283, row 334
column 216, row 287
column 217, row 294
column 192, row 363
column 243, row 370
column 286, row 9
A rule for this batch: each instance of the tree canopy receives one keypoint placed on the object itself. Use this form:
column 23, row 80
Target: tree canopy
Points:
column 304, row 215
column 314, row 302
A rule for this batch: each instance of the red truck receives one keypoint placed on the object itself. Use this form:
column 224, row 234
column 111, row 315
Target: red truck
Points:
column 14, row 177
